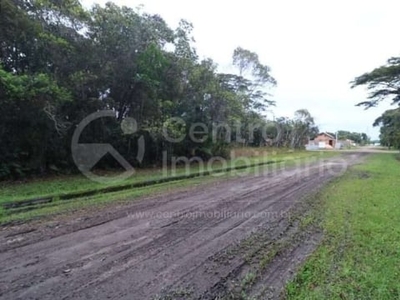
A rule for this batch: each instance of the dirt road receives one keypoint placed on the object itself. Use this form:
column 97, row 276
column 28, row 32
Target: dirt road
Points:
column 199, row 244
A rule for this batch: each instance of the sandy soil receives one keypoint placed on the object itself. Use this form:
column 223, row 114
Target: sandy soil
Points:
column 193, row 244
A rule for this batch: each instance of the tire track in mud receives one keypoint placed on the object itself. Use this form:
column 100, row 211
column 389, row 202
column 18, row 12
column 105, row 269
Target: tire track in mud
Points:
column 133, row 257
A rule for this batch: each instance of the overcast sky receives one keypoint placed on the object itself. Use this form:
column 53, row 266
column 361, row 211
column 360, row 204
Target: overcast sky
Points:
column 315, row 48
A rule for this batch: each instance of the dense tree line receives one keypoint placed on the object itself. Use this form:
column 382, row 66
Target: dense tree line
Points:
column 60, row 62
column 357, row 137
column 384, row 83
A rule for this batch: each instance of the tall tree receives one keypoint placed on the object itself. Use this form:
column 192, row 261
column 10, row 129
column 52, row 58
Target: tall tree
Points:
column 383, row 83
column 389, row 124
column 253, row 80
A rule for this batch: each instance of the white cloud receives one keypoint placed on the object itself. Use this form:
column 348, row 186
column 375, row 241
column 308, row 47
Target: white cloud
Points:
column 315, row 48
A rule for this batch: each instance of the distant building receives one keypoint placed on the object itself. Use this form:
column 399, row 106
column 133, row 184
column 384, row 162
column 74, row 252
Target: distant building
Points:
column 343, row 144
column 322, row 141
column 326, row 140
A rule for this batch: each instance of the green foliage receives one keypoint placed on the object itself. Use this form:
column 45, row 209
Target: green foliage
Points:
column 390, row 128
column 61, row 62
column 28, row 109
column 292, row 133
column 38, row 89
column 358, row 138
column 383, row 82
column 252, row 88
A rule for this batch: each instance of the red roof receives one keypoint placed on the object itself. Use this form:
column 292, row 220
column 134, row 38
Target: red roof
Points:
column 327, row 134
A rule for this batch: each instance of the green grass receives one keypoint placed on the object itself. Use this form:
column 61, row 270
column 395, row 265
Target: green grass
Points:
column 99, row 201
column 78, row 183
column 359, row 257
column 102, row 200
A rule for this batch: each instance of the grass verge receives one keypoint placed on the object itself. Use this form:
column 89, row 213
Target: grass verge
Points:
column 79, row 186
column 63, row 185
column 122, row 197
column 359, row 256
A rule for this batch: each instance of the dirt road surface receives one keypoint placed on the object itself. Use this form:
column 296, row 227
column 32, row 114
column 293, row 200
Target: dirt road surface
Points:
column 196, row 244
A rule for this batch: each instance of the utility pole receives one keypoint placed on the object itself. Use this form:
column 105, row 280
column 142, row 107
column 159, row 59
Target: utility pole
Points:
column 336, row 135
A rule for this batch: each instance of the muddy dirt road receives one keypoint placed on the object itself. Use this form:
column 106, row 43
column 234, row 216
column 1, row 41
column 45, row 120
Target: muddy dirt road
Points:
column 198, row 244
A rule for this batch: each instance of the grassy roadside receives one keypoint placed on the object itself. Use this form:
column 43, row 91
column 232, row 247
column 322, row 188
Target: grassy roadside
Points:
column 99, row 201
column 122, row 197
column 359, row 257
column 79, row 183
